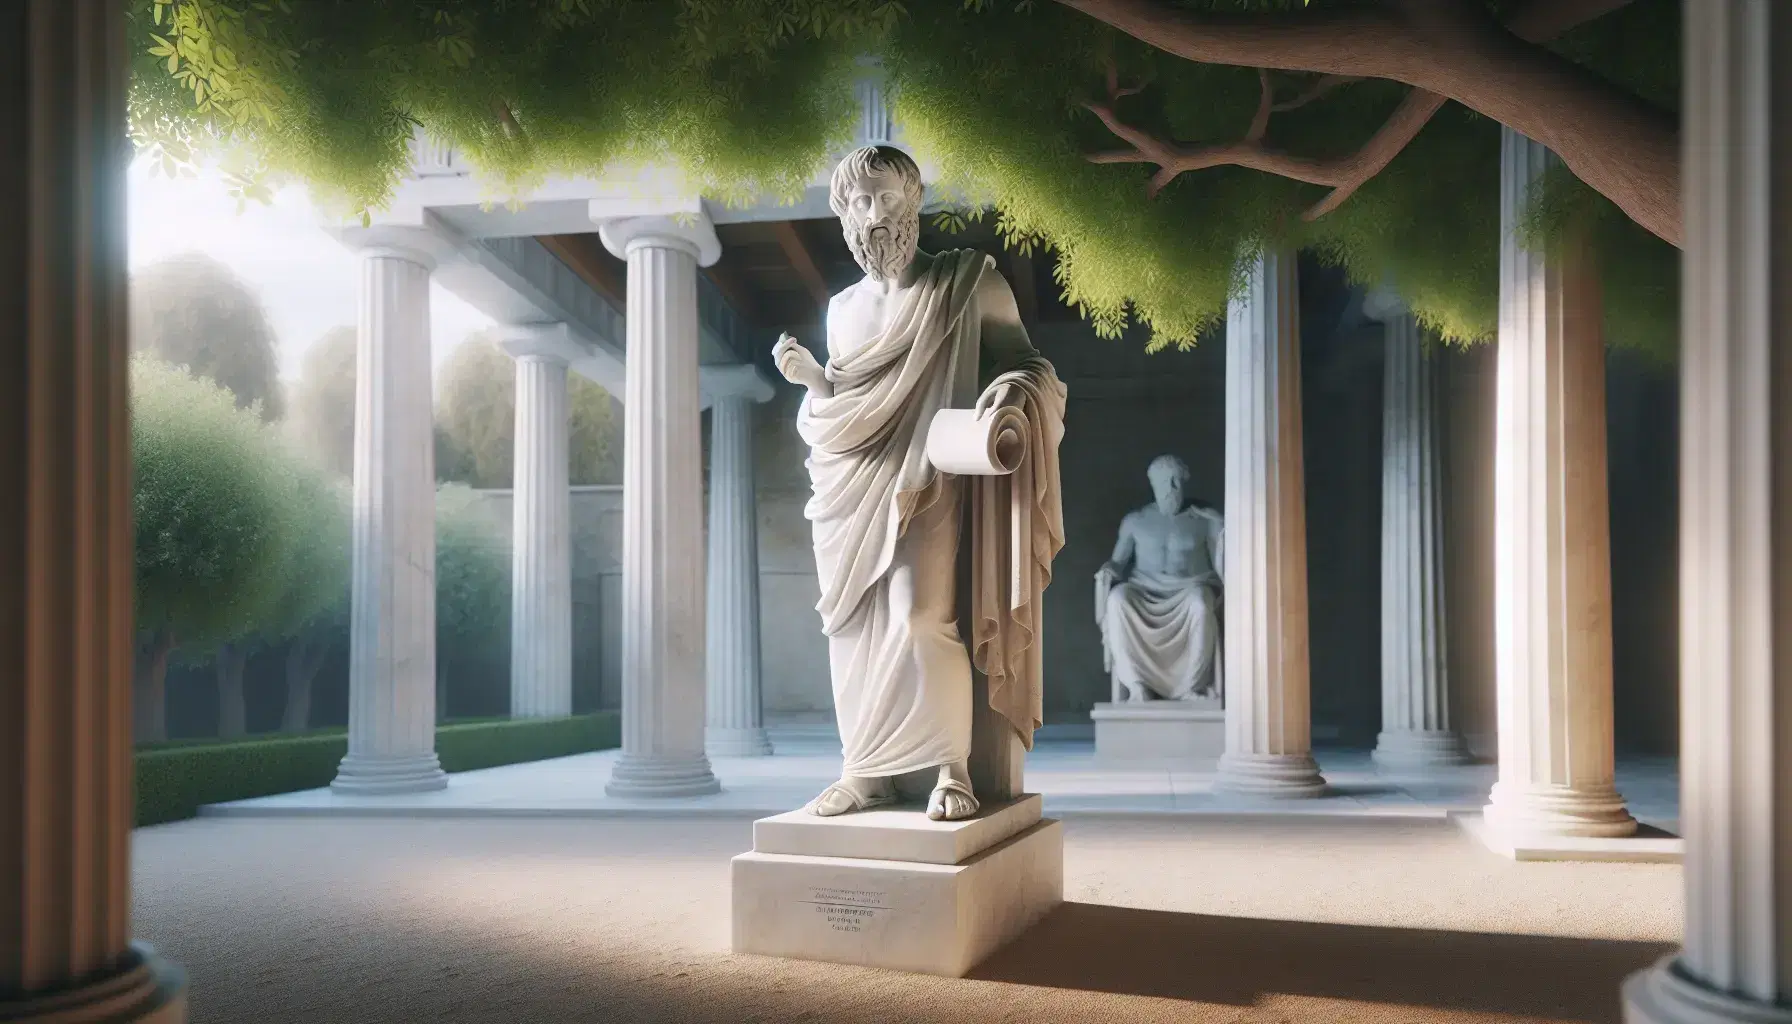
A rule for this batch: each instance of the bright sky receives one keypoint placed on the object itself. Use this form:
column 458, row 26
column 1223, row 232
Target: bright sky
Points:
column 306, row 278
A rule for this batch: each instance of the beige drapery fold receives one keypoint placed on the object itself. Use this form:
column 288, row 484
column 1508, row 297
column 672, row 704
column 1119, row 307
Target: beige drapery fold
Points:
column 1017, row 528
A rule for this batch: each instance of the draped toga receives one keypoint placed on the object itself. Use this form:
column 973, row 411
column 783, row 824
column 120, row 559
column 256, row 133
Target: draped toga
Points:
column 887, row 529
column 1161, row 630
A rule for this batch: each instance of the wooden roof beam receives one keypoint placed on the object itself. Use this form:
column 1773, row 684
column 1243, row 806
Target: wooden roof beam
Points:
column 727, row 279
column 802, row 261
column 586, row 257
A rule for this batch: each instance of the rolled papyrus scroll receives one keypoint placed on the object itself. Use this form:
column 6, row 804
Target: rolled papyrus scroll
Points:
column 992, row 444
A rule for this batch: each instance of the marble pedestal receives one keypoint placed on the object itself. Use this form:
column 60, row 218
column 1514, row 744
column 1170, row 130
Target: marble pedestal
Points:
column 1191, row 733
column 889, row 888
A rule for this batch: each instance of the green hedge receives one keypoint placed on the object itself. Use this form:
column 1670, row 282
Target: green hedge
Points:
column 174, row 781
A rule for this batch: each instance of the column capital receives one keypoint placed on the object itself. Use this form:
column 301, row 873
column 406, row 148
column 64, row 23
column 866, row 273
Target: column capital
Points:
column 428, row 244
column 739, row 380
column 552, row 342
column 691, row 232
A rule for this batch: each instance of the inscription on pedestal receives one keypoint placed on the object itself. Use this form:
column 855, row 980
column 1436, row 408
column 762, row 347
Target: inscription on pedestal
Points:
column 847, row 910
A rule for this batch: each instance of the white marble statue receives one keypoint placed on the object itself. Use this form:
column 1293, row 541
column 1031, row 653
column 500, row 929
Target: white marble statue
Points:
column 920, row 334
column 1157, row 599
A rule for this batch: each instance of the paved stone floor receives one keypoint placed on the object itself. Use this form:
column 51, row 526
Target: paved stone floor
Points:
column 1176, row 920
column 1066, row 772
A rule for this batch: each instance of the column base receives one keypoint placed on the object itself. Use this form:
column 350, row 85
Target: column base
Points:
column 636, row 775
column 145, row 989
column 1532, row 811
column 732, row 742
column 1666, row 994
column 1293, row 776
column 1403, row 750
column 364, row 775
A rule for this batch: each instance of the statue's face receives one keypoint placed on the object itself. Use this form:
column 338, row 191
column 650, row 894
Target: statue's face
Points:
column 1168, row 487
column 882, row 227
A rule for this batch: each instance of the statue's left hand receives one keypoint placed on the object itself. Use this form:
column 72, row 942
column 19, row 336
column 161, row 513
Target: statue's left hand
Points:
column 996, row 396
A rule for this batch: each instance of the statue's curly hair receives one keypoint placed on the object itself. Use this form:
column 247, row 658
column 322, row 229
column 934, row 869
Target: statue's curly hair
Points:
column 874, row 162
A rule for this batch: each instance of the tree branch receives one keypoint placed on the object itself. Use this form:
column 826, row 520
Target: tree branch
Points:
column 1173, row 159
column 1542, row 20
column 1266, row 103
column 506, row 119
column 1590, row 124
column 1404, row 125
column 1321, row 86
column 1356, row 41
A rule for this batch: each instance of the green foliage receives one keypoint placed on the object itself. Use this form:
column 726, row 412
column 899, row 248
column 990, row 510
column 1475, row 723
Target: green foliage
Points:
column 746, row 96
column 190, row 310
column 314, row 576
column 322, row 418
column 174, row 780
column 472, row 590
column 476, row 420
column 213, row 494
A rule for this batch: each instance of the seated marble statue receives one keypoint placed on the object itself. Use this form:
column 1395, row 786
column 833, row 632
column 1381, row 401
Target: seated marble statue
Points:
column 921, row 333
column 1157, row 599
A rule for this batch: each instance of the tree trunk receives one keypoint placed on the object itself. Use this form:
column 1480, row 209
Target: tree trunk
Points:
column 149, row 686
column 233, row 711
column 304, row 659
column 1620, row 145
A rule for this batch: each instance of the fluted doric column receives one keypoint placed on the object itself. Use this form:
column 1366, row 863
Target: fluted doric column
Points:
column 1735, row 529
column 736, row 726
column 66, row 558
column 1552, row 534
column 541, row 524
column 1416, row 731
column 1268, row 703
column 392, row 626
column 662, row 510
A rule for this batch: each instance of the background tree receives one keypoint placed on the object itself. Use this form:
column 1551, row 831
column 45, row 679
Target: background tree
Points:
column 472, row 604
column 191, row 311
column 309, row 617
column 322, row 417
column 476, row 420
column 211, row 498
column 1151, row 144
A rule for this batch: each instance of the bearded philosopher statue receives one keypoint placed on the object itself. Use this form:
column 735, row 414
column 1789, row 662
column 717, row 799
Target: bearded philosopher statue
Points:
column 933, row 409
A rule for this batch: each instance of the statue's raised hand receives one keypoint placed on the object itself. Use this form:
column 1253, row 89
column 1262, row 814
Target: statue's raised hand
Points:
column 997, row 396
column 798, row 365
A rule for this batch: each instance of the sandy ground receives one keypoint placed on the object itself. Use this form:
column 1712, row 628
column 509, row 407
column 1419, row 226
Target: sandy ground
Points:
column 526, row 920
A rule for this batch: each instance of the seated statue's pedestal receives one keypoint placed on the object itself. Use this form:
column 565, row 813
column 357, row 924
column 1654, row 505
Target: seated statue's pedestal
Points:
column 890, row 888
column 1189, row 733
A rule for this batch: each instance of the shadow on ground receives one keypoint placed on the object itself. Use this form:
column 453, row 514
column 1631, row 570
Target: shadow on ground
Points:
column 1238, row 961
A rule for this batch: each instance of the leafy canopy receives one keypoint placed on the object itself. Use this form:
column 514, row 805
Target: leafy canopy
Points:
column 476, row 420
column 191, row 311
column 472, row 593
column 749, row 96
column 213, row 495
column 314, row 576
column 321, row 421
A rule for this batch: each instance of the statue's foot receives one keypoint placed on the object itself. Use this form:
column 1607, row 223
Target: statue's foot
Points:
column 951, row 800
column 853, row 794
column 1135, row 694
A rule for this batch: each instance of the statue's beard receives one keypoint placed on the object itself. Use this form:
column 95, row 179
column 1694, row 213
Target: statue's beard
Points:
column 885, row 249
